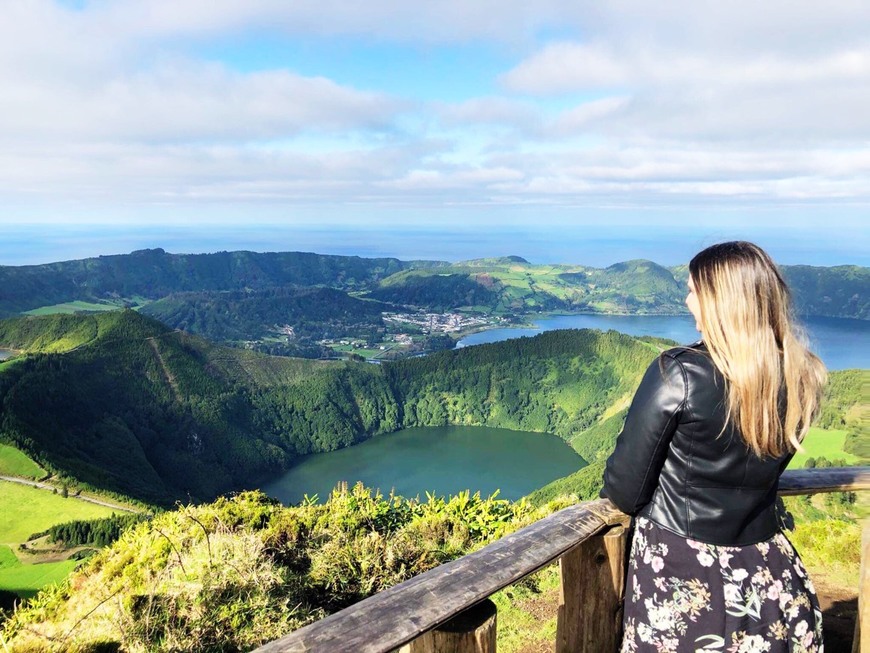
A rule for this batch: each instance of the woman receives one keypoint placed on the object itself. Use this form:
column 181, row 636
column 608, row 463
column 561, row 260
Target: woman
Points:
column 711, row 428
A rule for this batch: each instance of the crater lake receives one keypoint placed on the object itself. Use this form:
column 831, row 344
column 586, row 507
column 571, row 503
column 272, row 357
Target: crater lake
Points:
column 443, row 460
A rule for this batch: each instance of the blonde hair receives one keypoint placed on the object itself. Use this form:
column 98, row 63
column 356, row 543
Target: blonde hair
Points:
column 774, row 381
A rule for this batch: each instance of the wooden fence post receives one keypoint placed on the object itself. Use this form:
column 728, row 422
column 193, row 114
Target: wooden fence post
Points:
column 590, row 608
column 862, row 622
column 471, row 631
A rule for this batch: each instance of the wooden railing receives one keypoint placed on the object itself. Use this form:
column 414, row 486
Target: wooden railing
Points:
column 447, row 608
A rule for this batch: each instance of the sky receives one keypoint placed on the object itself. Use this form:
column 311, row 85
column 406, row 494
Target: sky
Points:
column 562, row 131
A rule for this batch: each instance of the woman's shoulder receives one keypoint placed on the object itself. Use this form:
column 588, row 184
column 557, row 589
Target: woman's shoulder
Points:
column 692, row 361
column 694, row 351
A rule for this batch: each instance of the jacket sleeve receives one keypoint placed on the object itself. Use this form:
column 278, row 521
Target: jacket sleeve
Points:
column 632, row 471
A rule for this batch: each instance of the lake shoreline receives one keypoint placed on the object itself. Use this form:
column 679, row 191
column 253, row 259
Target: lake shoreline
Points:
column 841, row 343
column 442, row 460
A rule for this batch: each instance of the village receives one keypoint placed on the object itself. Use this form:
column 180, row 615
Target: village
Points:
column 444, row 322
column 414, row 333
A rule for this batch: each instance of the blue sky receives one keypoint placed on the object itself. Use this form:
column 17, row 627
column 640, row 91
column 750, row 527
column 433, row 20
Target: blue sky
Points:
column 577, row 131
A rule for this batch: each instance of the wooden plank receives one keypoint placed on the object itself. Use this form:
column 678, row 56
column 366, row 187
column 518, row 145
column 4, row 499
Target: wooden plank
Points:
column 394, row 617
column 834, row 479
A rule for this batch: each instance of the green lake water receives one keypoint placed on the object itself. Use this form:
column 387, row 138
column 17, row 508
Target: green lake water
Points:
column 440, row 459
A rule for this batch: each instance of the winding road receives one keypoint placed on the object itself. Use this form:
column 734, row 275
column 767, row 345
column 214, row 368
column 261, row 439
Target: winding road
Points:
column 48, row 486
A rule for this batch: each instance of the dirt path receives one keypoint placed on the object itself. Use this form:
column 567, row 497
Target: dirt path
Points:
column 170, row 377
column 52, row 488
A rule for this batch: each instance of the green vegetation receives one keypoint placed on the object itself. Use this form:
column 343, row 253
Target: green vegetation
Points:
column 823, row 442
column 73, row 307
column 153, row 274
column 94, row 532
column 436, row 291
column 287, row 303
column 831, row 547
column 521, row 626
column 838, row 291
column 52, row 334
column 28, row 510
column 504, row 285
column 846, row 406
column 15, row 463
column 239, row 572
column 134, row 408
column 635, row 287
column 582, row 485
column 26, row 581
column 297, row 316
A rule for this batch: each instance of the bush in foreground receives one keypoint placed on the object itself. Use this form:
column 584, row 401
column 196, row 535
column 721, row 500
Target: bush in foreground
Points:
column 233, row 574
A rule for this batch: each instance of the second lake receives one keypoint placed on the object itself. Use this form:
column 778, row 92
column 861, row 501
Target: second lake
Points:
column 439, row 459
column 841, row 343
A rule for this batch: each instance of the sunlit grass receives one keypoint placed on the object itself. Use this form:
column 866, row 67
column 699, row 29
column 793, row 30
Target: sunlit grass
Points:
column 823, row 442
column 15, row 463
column 25, row 510
column 72, row 307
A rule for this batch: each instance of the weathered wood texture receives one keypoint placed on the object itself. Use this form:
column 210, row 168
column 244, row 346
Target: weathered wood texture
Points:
column 861, row 641
column 394, row 617
column 402, row 613
column 593, row 583
column 834, row 479
column 471, row 631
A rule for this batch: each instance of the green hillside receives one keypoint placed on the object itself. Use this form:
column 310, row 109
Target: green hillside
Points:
column 505, row 284
column 293, row 317
column 518, row 286
column 837, row 292
column 131, row 407
column 154, row 273
column 634, row 287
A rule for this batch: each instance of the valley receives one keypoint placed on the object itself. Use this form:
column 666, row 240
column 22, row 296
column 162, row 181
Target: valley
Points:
column 171, row 399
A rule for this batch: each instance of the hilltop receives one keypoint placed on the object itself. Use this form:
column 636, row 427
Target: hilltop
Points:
column 321, row 306
column 153, row 273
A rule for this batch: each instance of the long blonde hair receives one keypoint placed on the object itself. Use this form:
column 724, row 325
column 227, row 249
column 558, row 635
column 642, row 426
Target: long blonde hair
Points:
column 774, row 381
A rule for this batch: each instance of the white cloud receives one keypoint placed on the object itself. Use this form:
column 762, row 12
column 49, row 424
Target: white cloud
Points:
column 180, row 100
column 638, row 103
column 490, row 111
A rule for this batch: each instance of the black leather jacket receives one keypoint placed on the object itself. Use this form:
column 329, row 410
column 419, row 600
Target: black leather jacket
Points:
column 672, row 466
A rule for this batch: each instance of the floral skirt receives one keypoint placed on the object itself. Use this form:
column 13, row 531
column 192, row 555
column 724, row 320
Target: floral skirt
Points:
column 683, row 595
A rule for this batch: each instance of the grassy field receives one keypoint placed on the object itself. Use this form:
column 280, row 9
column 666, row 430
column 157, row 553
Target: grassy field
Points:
column 822, row 442
column 72, row 307
column 15, row 463
column 26, row 510
column 26, row 580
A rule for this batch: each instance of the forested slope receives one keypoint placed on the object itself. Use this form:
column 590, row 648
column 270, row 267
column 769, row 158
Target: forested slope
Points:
column 304, row 314
column 133, row 407
column 496, row 284
column 154, row 273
